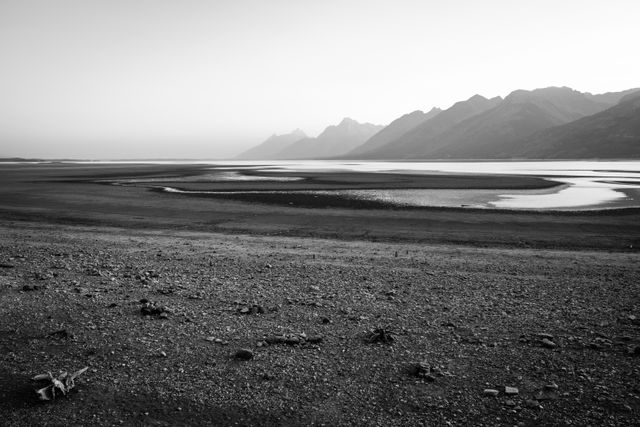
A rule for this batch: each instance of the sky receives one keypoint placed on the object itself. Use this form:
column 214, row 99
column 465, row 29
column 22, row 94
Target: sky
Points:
column 118, row 79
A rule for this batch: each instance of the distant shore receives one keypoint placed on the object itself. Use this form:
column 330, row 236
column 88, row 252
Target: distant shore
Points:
column 81, row 194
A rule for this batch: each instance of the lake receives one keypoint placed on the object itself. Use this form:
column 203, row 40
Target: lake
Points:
column 586, row 185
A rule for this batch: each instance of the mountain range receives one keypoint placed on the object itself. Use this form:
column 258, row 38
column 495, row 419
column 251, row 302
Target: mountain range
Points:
column 553, row 122
column 270, row 148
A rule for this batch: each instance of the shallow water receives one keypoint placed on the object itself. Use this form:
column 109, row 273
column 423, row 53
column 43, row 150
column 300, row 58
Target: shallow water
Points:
column 587, row 184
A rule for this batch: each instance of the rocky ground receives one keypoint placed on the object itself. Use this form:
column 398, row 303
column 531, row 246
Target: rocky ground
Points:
column 197, row 328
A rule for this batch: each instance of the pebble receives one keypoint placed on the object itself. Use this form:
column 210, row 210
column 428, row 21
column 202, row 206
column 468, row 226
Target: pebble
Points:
column 243, row 354
column 510, row 403
column 510, row 390
column 490, row 392
column 532, row 404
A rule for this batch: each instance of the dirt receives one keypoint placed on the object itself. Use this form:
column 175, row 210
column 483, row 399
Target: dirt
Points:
column 452, row 323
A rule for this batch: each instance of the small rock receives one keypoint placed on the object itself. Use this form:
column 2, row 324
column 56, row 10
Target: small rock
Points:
column 162, row 354
column 28, row 288
column 210, row 339
column 531, row 403
column 490, row 392
column 510, row 403
column 6, row 265
column 314, row 339
column 325, row 320
column 551, row 386
column 545, row 335
column 314, row 288
column 510, row 390
column 547, row 343
column 243, row 354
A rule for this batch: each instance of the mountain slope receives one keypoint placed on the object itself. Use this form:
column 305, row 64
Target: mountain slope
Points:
column 425, row 134
column 274, row 144
column 521, row 114
column 611, row 98
column 610, row 134
column 333, row 141
column 394, row 130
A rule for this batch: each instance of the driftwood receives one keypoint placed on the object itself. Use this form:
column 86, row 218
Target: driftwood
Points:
column 63, row 384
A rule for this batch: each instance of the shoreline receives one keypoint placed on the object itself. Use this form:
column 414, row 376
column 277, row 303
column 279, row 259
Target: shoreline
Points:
column 81, row 195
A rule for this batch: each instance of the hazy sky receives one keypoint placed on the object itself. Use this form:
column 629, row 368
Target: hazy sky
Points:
column 196, row 78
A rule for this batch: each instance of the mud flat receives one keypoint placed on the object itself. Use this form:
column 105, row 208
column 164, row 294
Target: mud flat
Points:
column 157, row 298
column 84, row 194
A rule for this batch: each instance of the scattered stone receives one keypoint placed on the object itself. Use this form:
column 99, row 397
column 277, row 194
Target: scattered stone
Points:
column 210, row 339
column 551, row 386
column 112, row 305
column 633, row 350
column 252, row 309
column 490, row 392
column 510, row 403
column 545, row 335
column 314, row 288
column 153, row 309
column 510, row 390
column 28, row 288
column 547, row 343
column 162, row 354
column 243, row 354
column 6, row 265
column 325, row 320
column 422, row 370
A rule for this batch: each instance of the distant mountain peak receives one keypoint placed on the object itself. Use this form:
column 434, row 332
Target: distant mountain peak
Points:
column 477, row 97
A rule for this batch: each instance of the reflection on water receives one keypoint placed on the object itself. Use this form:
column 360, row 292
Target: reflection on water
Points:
column 580, row 192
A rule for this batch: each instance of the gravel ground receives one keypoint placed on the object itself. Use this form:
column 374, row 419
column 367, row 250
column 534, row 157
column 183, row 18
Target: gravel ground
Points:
column 338, row 333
